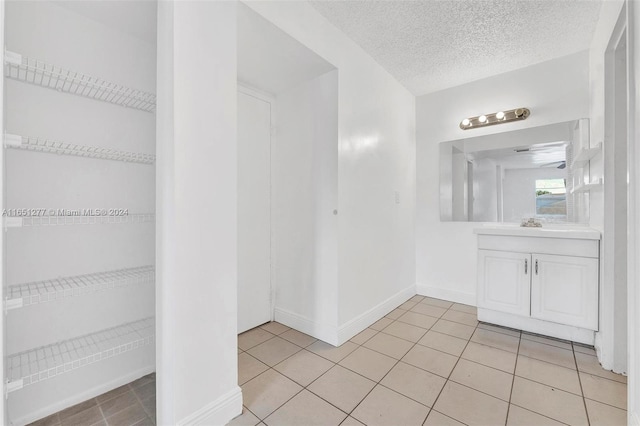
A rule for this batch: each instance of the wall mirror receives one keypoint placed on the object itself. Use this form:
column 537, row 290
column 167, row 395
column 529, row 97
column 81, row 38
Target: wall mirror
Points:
column 509, row 176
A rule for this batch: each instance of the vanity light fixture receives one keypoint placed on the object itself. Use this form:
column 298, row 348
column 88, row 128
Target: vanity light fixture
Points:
column 495, row 118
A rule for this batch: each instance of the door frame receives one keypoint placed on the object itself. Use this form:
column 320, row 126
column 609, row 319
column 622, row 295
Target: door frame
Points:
column 271, row 100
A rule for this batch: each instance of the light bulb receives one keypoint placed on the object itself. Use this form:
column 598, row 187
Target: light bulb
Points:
column 466, row 122
column 500, row 115
column 482, row 119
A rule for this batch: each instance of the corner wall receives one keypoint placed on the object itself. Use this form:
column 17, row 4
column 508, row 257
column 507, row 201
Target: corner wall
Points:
column 555, row 91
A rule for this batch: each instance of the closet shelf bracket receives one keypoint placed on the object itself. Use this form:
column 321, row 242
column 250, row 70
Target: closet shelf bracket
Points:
column 12, row 386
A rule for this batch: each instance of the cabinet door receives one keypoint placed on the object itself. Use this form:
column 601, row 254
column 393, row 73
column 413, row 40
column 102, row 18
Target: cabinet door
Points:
column 503, row 281
column 564, row 289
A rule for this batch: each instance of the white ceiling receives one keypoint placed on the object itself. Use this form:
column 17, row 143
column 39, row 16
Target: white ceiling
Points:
column 429, row 45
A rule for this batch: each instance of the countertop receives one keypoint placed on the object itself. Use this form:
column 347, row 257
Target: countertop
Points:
column 546, row 231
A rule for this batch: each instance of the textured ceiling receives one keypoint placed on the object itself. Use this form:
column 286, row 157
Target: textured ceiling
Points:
column 429, row 45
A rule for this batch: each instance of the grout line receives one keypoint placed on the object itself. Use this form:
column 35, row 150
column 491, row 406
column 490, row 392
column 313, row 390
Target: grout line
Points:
column 584, row 402
column 513, row 380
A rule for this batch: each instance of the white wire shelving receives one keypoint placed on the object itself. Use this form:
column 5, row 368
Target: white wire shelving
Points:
column 36, row 365
column 76, row 218
column 587, row 187
column 35, row 144
column 43, row 74
column 21, row 295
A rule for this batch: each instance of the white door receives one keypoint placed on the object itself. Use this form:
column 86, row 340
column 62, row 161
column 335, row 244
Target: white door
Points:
column 564, row 289
column 254, row 207
column 503, row 281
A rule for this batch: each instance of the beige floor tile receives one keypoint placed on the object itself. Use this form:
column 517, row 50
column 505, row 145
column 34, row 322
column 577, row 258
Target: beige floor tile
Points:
column 144, row 422
column 437, row 302
column 253, row 337
column 330, row 352
column 564, row 344
column 381, row 323
column 297, row 338
column 249, row 367
column 549, row 374
column 419, row 320
column 496, row 340
column 464, row 308
column 350, row 421
column 491, row 357
column 482, row 378
column 443, row 342
column 395, row 314
column 304, row 367
column 604, row 390
column 461, row 317
column 384, row 407
column 387, row 344
column 128, row 416
column 247, row 418
column 68, row 412
column 274, row 327
column 306, row 409
column 453, row 329
column 146, row 391
column 368, row 363
column 87, row 417
column 264, row 394
column 518, row 416
column 273, row 351
column 52, row 420
column 408, row 305
column 415, row 383
column 548, row 353
column 500, row 329
column 112, row 393
column 439, row 419
column 470, row 406
column 405, row 331
column 118, row 403
column 149, row 406
column 341, row 387
column 363, row 336
column 605, row 415
column 417, row 298
column 588, row 350
column 555, row 403
column 142, row 381
column 431, row 360
column 590, row 364
column 424, row 309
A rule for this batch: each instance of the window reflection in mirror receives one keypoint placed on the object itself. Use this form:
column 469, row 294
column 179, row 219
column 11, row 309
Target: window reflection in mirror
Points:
column 510, row 176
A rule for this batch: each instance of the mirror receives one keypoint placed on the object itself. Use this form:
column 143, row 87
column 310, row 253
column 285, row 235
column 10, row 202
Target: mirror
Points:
column 509, row 176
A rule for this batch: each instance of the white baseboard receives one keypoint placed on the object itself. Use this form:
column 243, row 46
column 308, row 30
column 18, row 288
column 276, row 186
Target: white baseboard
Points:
column 354, row 326
column 83, row 396
column 325, row 332
column 218, row 412
column 446, row 294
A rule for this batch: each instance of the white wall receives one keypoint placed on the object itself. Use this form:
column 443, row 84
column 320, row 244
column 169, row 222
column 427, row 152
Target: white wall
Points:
column 305, row 193
column 36, row 180
column 554, row 91
column 376, row 154
column 519, row 189
column 197, row 214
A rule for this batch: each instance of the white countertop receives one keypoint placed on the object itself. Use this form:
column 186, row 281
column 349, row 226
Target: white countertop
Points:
column 546, row 231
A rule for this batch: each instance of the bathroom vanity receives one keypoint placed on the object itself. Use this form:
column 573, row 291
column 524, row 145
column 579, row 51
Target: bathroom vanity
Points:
column 542, row 280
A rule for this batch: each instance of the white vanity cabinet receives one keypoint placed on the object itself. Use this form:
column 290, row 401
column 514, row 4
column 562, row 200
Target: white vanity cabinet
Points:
column 540, row 280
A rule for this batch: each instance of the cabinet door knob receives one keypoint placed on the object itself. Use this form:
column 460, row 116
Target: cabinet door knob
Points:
column 526, row 266
column 536, row 266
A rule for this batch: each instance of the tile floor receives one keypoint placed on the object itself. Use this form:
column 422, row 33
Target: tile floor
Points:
column 428, row 362
column 128, row 405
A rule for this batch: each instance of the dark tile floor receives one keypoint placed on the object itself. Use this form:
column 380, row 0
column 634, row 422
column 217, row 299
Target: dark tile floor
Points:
column 128, row 405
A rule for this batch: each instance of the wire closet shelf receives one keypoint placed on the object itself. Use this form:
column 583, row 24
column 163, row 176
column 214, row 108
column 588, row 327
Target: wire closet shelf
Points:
column 76, row 218
column 21, row 295
column 36, row 365
column 40, row 73
column 35, row 144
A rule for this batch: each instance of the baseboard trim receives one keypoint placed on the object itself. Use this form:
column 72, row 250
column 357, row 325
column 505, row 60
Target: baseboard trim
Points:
column 83, row 396
column 446, row 294
column 325, row 332
column 354, row 326
column 218, row 412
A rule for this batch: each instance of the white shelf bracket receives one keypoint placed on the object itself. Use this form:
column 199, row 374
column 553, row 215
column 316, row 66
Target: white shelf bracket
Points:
column 12, row 222
column 12, row 386
column 12, row 58
column 12, row 141
column 11, row 304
